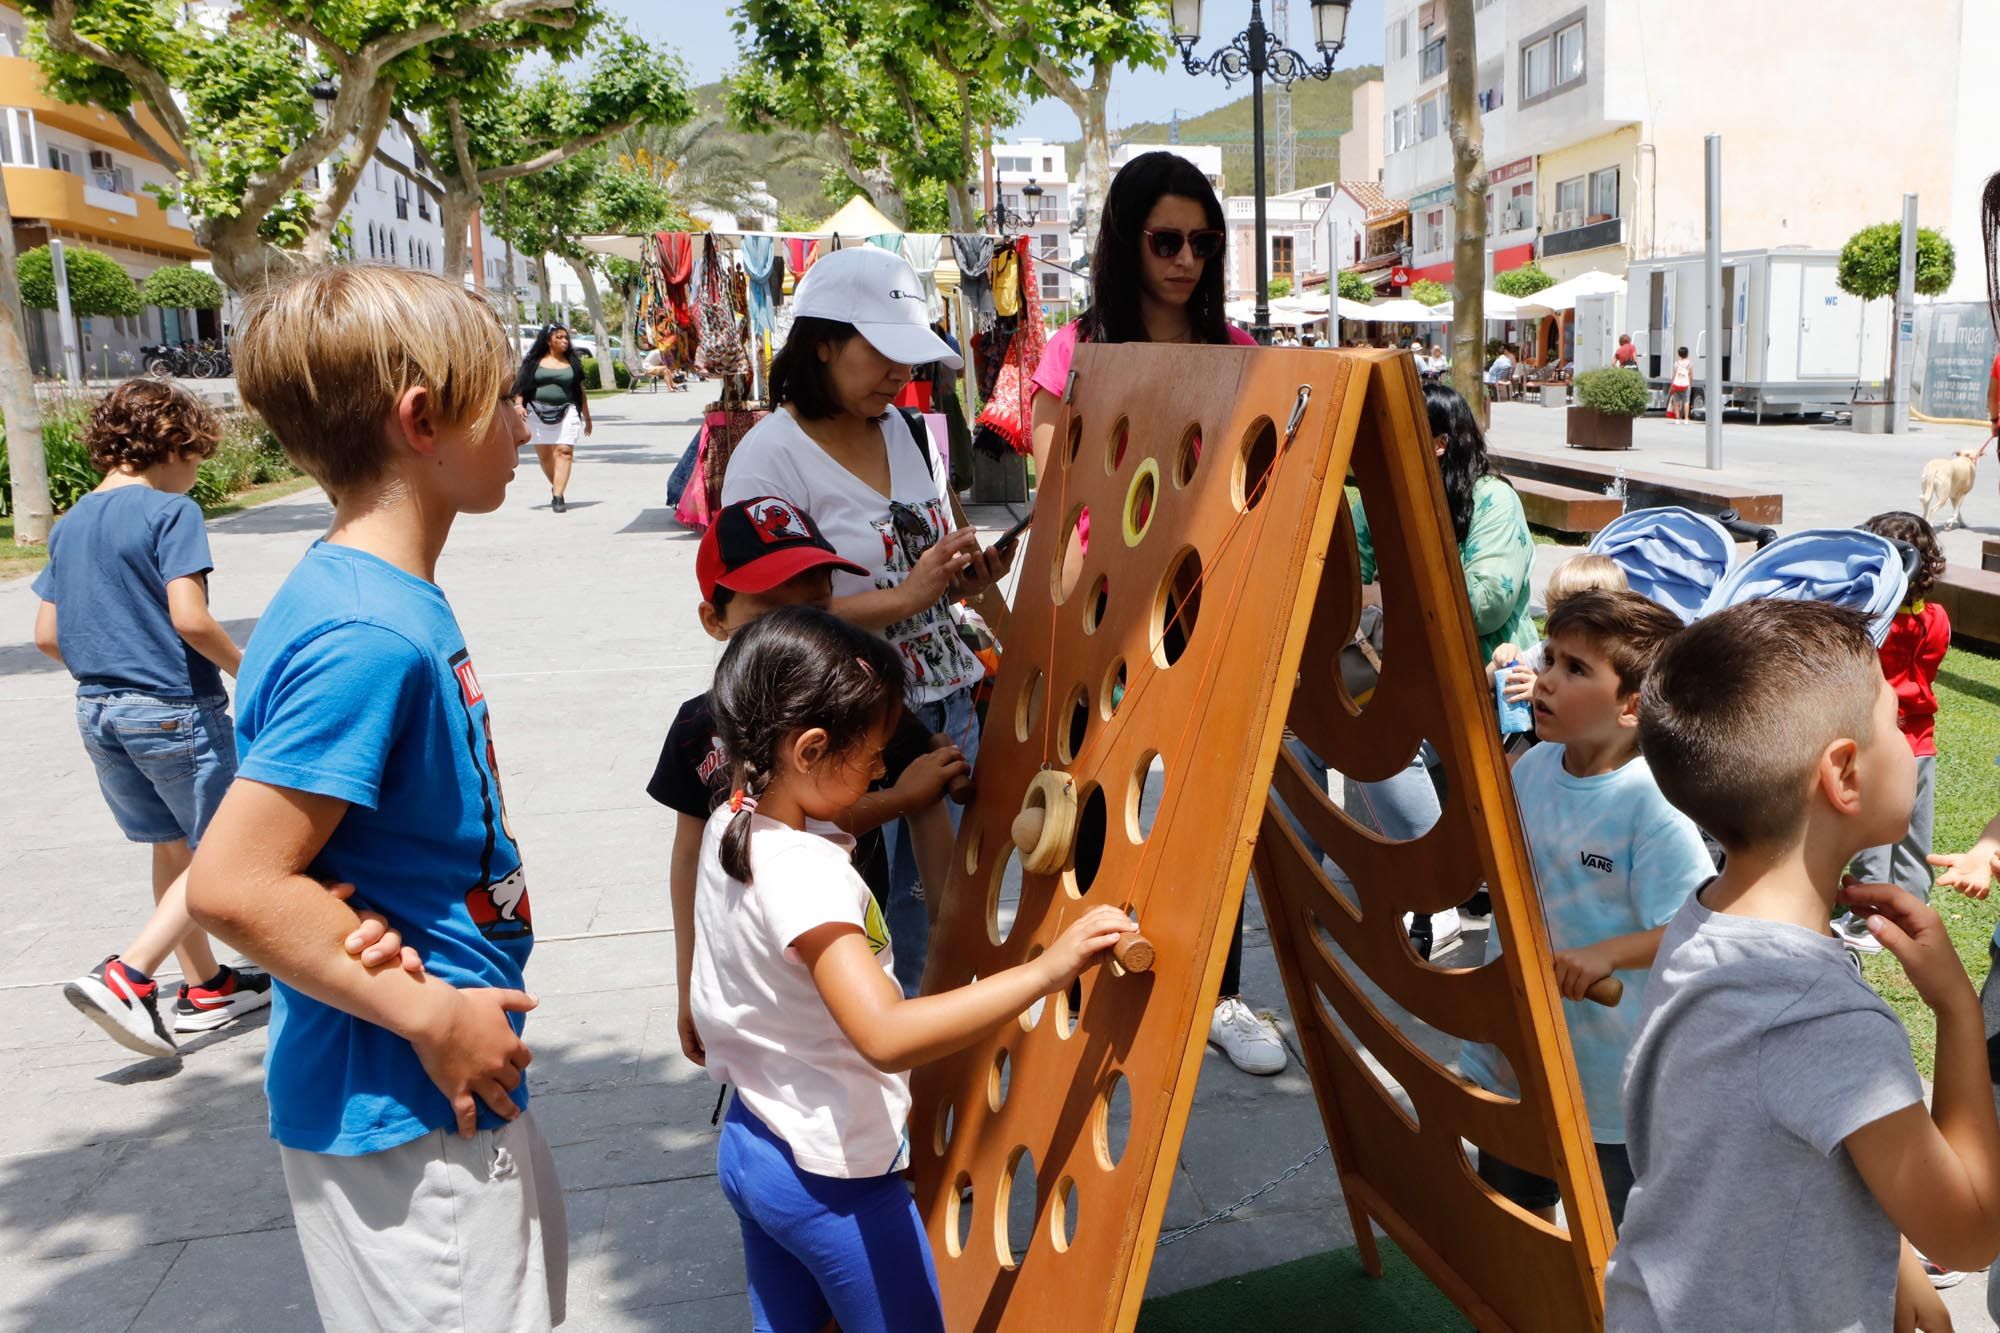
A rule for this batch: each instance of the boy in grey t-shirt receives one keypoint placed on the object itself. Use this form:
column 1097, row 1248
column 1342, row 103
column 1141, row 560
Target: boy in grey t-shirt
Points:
column 1774, row 1117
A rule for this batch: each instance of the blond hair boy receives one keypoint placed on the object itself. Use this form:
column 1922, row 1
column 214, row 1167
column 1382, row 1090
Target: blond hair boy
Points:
column 424, row 1194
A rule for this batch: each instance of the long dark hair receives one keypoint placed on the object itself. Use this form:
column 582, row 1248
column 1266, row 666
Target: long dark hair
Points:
column 524, row 378
column 1117, row 269
column 1464, row 461
column 1989, row 234
column 796, row 668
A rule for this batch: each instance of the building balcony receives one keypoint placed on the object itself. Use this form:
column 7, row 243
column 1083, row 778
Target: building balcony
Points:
column 70, row 203
column 1584, row 236
column 21, row 87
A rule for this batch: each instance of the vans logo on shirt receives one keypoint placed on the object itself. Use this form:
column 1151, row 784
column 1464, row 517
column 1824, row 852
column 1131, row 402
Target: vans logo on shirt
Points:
column 1597, row 861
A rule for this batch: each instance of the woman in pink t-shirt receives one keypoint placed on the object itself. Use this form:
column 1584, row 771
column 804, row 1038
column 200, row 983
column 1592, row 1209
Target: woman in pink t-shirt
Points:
column 1156, row 276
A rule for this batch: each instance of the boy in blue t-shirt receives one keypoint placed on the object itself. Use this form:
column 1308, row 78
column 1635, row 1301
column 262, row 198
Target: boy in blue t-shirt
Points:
column 1613, row 862
column 124, row 608
column 423, row 1192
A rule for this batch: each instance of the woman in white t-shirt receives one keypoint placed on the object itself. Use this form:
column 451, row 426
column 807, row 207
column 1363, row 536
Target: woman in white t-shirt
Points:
column 793, row 993
column 882, row 498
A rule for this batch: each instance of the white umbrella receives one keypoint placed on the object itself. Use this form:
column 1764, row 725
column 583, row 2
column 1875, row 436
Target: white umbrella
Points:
column 1562, row 296
column 1404, row 310
column 1356, row 309
column 1498, row 307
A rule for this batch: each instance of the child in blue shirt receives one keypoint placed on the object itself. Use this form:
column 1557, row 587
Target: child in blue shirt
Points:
column 124, row 607
column 1613, row 861
column 398, row 1100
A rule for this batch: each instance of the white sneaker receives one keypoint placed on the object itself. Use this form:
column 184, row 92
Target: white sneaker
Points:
column 1433, row 937
column 1248, row 1039
column 1852, row 931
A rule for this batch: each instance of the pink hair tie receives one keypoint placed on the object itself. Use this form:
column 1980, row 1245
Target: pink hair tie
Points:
column 740, row 801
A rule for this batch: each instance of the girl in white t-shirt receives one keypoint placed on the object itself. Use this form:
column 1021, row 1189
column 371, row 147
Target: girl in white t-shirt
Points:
column 793, row 988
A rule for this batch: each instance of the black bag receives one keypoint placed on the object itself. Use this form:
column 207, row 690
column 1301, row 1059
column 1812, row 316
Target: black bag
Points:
column 550, row 414
column 1361, row 660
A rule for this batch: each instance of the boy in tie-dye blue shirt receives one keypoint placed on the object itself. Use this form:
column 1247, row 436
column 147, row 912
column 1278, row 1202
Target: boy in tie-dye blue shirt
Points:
column 1613, row 861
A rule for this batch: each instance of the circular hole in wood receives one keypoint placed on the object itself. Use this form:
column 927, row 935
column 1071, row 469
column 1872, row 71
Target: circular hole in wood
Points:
column 1033, row 1013
column 1093, row 610
column 1090, row 826
column 1142, row 798
column 1069, row 1008
column 1141, row 498
column 1112, row 692
column 1075, row 436
column 1066, row 571
column 1028, row 708
column 941, row 1140
column 1062, row 1218
column 1076, row 717
column 1014, row 1219
column 1121, row 434
column 997, row 1080
column 1253, row 464
column 1188, row 455
column 1112, row 1125
column 958, row 1215
column 1176, row 608
column 1003, row 897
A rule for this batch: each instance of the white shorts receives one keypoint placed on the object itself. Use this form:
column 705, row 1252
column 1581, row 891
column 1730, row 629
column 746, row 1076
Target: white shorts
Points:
column 567, row 431
column 448, row 1233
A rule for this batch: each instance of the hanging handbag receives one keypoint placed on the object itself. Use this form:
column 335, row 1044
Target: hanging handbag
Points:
column 1361, row 659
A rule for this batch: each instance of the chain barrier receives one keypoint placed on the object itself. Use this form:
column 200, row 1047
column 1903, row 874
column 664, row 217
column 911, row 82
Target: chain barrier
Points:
column 1222, row 1214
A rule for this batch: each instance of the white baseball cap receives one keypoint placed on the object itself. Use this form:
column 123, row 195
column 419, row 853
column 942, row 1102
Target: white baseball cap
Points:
column 879, row 294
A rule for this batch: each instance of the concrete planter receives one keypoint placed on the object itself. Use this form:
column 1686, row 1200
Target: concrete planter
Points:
column 1555, row 395
column 1592, row 429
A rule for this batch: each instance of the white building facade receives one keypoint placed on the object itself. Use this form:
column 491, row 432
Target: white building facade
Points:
column 1044, row 165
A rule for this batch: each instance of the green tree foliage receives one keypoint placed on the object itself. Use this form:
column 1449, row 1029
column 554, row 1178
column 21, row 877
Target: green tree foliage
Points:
column 177, row 287
column 97, row 286
column 1278, row 287
column 1872, row 260
column 1430, row 292
column 1354, row 287
column 1524, row 281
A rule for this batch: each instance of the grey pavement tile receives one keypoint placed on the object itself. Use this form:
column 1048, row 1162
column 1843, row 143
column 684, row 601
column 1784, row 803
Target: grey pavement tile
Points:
column 89, row 1293
column 249, row 1283
column 596, row 1039
column 618, row 962
column 1245, row 1243
column 664, row 1245
column 176, row 1186
column 715, row 1314
column 631, row 1136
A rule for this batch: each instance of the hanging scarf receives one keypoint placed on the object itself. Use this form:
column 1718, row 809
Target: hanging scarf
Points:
column 676, row 267
column 892, row 241
column 795, row 247
column 1007, row 282
column 777, row 281
column 1008, row 412
column 721, row 352
column 975, row 263
column 759, row 253
column 922, row 252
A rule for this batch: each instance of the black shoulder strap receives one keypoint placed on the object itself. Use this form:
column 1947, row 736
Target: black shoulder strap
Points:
column 920, row 434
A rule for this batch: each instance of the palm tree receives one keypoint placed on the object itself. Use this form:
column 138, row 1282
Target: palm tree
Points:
column 702, row 165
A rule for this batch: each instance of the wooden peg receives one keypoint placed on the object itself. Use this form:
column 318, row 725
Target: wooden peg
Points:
column 1134, row 952
column 1607, row 991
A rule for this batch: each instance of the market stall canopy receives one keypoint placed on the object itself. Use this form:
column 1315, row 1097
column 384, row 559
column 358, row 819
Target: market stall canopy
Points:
column 1498, row 307
column 1403, row 310
column 632, row 248
column 856, row 221
column 1562, row 296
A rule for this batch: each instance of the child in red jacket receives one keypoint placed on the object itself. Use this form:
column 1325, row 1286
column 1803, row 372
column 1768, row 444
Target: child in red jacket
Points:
column 1911, row 655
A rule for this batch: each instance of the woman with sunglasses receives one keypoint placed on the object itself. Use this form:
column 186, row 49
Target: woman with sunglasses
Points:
column 882, row 498
column 1156, row 276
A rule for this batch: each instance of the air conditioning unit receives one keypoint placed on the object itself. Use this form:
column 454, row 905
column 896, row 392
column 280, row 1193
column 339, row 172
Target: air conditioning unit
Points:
column 1568, row 219
column 1516, row 219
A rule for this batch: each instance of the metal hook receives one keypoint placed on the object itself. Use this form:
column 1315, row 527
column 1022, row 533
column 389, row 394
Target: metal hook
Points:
column 1298, row 412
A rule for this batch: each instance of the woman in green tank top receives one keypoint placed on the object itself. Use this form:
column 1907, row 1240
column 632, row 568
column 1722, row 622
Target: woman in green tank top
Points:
column 550, row 385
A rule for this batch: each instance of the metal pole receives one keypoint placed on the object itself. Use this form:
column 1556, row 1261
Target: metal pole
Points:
column 1903, row 350
column 1260, row 327
column 1332, row 275
column 1712, row 407
column 72, row 353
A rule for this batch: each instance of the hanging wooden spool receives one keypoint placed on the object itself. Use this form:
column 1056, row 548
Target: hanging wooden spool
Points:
column 1045, row 830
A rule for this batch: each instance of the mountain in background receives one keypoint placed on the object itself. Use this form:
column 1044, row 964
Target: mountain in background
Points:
column 1321, row 113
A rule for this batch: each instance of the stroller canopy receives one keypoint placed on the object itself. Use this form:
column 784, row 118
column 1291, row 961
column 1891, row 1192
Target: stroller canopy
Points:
column 1848, row 567
column 1673, row 556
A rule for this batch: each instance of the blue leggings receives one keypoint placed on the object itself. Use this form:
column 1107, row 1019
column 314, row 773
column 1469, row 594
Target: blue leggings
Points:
column 819, row 1247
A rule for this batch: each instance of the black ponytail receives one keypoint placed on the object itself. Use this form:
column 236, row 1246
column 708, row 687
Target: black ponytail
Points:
column 791, row 670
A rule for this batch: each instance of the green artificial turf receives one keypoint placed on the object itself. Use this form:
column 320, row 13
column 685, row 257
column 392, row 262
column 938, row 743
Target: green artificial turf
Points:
column 1324, row 1291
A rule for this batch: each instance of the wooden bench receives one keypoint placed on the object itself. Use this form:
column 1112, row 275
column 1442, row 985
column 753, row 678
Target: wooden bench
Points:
column 1989, row 554
column 1643, row 490
column 1566, row 508
column 1971, row 597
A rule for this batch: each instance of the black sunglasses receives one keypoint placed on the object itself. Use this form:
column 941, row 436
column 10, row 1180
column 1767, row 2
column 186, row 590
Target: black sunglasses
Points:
column 1166, row 242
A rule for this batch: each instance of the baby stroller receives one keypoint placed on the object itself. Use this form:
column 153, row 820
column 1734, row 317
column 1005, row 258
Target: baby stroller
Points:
column 1847, row 567
column 1673, row 556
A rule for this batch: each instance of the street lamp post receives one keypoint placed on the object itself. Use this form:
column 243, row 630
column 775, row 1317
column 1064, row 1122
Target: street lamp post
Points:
column 1006, row 220
column 1253, row 52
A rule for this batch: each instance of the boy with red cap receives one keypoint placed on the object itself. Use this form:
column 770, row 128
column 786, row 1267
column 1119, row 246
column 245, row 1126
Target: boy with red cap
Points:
column 758, row 555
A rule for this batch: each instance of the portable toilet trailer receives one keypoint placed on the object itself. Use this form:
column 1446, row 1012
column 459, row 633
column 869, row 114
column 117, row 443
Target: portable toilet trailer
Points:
column 1600, row 318
column 1792, row 341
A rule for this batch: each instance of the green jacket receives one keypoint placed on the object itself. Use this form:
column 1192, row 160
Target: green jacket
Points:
column 1498, row 556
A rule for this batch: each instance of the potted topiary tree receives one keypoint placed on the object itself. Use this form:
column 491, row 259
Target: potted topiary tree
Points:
column 1604, row 403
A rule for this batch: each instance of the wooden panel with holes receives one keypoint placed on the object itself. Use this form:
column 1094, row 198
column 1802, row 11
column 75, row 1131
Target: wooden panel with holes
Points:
column 1342, row 947
column 1145, row 663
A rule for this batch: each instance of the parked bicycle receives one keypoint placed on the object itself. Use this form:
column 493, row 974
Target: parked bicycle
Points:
column 204, row 360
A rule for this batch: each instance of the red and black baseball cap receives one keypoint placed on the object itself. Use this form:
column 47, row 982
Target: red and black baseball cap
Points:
column 756, row 544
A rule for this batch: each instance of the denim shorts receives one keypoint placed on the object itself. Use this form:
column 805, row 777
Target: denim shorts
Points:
column 162, row 764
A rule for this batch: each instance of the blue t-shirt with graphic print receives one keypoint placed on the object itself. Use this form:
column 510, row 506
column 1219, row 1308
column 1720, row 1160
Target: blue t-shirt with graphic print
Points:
column 1611, row 858
column 357, row 685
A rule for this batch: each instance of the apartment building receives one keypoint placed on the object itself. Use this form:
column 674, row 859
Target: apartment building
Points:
column 1045, row 166
column 73, row 174
column 1361, row 148
column 1595, row 112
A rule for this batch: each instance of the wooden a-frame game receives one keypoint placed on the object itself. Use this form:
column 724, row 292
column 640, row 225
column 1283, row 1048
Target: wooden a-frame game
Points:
column 1159, row 662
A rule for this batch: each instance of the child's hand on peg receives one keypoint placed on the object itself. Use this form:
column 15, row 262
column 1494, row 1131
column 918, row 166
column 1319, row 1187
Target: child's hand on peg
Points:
column 1078, row 947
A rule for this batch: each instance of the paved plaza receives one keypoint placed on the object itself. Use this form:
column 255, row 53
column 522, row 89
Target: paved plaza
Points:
column 147, row 1194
